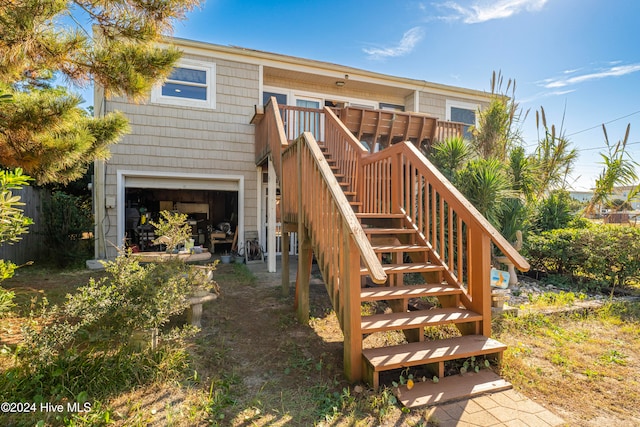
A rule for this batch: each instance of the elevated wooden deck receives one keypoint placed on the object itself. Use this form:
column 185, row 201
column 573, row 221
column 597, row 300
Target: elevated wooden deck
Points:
column 377, row 128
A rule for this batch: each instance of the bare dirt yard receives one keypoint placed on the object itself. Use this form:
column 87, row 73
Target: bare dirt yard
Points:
column 253, row 364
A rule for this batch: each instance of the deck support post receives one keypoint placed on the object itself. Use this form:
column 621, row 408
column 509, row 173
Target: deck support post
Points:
column 271, row 217
column 305, row 250
column 350, row 284
column 480, row 277
column 303, row 277
column 285, row 261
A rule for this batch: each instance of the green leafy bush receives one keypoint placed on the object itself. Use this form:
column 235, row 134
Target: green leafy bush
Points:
column 68, row 221
column 133, row 297
column 597, row 256
column 6, row 301
column 172, row 229
column 554, row 212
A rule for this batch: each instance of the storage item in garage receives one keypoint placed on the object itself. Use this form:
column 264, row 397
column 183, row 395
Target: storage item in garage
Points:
column 166, row 205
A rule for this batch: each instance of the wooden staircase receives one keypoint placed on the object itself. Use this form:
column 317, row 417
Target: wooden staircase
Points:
column 375, row 220
column 390, row 239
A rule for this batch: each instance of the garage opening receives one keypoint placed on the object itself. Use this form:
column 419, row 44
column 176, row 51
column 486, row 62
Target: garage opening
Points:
column 213, row 216
column 213, row 208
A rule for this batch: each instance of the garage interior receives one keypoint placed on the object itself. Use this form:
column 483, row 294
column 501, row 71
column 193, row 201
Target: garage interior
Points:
column 212, row 214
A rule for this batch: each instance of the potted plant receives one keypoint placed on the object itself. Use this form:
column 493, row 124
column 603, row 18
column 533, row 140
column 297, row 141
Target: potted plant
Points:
column 225, row 258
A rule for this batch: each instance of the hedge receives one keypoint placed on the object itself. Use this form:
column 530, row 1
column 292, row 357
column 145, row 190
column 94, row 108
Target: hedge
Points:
column 601, row 255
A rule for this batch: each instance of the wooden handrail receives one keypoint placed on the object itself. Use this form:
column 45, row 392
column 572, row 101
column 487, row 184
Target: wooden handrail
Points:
column 321, row 195
column 412, row 159
column 400, row 179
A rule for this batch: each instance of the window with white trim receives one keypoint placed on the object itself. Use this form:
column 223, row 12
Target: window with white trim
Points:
column 190, row 84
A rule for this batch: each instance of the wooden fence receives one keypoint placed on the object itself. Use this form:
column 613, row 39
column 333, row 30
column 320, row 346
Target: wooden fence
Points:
column 30, row 247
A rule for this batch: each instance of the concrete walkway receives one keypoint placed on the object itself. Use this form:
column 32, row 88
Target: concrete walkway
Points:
column 505, row 408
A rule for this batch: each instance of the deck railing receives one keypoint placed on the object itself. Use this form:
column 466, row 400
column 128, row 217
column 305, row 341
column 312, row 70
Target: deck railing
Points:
column 344, row 148
column 401, row 180
column 270, row 135
column 446, row 130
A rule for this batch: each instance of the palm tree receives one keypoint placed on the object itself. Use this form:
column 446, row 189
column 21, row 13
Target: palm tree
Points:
column 450, row 155
column 486, row 183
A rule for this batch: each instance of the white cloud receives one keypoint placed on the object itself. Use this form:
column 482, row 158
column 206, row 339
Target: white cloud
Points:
column 542, row 95
column 406, row 45
column 614, row 71
column 487, row 10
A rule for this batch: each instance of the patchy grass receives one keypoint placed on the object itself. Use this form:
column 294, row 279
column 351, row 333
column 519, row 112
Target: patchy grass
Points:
column 253, row 364
column 583, row 364
column 555, row 299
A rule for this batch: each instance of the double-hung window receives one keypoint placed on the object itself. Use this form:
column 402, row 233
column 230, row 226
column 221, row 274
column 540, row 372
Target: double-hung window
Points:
column 190, row 84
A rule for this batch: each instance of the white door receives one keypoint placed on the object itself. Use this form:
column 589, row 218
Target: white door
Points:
column 309, row 121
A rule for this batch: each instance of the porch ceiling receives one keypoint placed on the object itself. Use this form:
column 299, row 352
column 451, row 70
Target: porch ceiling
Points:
column 277, row 76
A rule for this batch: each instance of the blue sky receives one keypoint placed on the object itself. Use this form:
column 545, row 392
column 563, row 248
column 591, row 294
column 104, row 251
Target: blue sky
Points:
column 579, row 59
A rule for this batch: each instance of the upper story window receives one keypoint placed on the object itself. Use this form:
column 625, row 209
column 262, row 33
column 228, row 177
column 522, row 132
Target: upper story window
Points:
column 462, row 112
column 391, row 107
column 190, row 84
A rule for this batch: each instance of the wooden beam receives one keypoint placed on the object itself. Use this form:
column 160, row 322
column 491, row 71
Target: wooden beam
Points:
column 421, row 134
column 305, row 258
column 406, row 129
column 391, row 125
column 363, row 113
column 377, row 133
column 480, row 276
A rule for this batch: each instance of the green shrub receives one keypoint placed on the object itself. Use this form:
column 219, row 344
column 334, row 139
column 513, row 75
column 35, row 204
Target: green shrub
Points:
column 597, row 256
column 554, row 212
column 6, row 301
column 172, row 228
column 67, row 222
column 133, row 297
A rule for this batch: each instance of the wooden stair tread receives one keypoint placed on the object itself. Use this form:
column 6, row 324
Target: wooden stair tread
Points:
column 420, row 353
column 406, row 268
column 365, row 215
column 452, row 388
column 376, row 230
column 416, row 319
column 399, row 248
column 409, row 291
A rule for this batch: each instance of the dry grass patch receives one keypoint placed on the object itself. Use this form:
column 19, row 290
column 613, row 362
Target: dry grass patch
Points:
column 585, row 364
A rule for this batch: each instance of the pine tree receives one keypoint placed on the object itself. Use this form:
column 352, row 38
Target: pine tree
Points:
column 43, row 130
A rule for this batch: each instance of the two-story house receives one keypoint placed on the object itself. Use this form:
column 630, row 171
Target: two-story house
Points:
column 191, row 147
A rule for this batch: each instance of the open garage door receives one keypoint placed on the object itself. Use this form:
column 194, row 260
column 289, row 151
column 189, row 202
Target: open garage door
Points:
column 213, row 203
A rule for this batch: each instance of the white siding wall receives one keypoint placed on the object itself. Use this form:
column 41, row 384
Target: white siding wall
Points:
column 192, row 140
column 436, row 104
